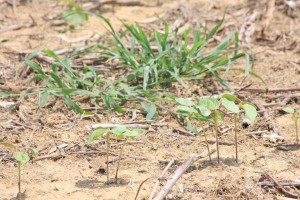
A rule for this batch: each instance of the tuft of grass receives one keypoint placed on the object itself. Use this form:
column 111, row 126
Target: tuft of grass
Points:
column 162, row 57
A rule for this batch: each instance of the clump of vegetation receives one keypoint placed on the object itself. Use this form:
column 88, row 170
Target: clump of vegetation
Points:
column 22, row 157
column 162, row 57
column 295, row 118
column 154, row 58
column 120, row 133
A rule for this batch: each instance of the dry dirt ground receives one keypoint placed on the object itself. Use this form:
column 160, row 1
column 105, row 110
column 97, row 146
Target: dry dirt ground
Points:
column 272, row 28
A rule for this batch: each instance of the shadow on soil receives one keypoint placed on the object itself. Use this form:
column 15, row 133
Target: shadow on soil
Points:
column 101, row 184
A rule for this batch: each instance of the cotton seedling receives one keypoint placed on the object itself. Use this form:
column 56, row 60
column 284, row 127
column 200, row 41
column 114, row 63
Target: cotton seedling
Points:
column 95, row 135
column 295, row 118
column 209, row 107
column 189, row 110
column 234, row 104
column 22, row 157
column 125, row 134
column 121, row 133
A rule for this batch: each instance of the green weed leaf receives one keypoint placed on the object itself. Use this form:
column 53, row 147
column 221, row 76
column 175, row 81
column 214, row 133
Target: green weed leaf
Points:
column 150, row 109
column 73, row 105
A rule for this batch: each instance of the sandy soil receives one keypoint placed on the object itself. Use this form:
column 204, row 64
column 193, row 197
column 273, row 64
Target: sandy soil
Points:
column 74, row 175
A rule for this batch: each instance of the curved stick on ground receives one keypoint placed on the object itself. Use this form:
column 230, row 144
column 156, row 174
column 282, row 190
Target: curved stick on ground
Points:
column 159, row 178
column 178, row 173
column 280, row 187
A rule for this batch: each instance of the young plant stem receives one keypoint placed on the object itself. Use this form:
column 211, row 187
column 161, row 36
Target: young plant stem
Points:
column 107, row 152
column 19, row 182
column 204, row 134
column 235, row 138
column 120, row 157
column 217, row 135
column 297, row 138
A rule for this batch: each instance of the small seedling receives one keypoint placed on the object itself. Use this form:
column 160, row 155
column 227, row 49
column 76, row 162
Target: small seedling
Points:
column 95, row 135
column 75, row 14
column 209, row 107
column 295, row 118
column 22, row 158
column 234, row 104
column 125, row 134
column 189, row 110
column 121, row 133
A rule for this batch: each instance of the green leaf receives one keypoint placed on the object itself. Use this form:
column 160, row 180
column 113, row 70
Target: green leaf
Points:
column 2, row 40
column 219, row 115
column 210, row 103
column 96, row 133
column 45, row 97
column 204, row 111
column 8, row 145
column 250, row 111
column 134, row 133
column 35, row 67
column 150, row 109
column 230, row 105
column 66, row 1
column 184, row 102
column 230, row 97
column 75, row 15
column 186, row 109
column 289, row 110
column 33, row 151
column 191, row 128
column 73, row 105
column 146, row 77
column 119, row 130
column 21, row 157
column 122, row 131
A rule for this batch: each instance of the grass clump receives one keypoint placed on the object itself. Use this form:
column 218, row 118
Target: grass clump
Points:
column 162, row 57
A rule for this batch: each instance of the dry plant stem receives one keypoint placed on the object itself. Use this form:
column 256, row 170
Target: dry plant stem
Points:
column 178, row 173
column 120, row 157
column 140, row 186
column 19, row 181
column 235, row 138
column 217, row 136
column 107, row 152
column 206, row 141
column 271, row 90
column 281, row 188
column 159, row 178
